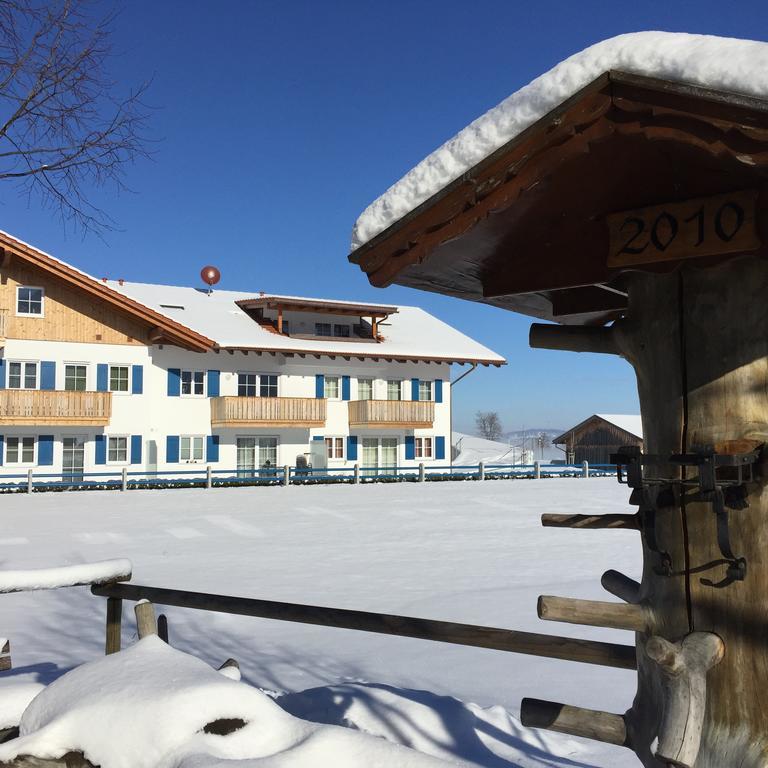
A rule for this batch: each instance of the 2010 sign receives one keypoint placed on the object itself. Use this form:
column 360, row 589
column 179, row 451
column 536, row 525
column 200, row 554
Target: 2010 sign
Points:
column 707, row 226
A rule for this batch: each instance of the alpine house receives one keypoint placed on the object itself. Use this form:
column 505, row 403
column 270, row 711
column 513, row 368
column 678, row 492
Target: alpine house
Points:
column 97, row 375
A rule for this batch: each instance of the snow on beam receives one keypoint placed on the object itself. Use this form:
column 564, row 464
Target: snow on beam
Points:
column 102, row 572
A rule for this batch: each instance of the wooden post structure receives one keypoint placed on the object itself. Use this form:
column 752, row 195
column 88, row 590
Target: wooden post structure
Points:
column 662, row 259
column 114, row 623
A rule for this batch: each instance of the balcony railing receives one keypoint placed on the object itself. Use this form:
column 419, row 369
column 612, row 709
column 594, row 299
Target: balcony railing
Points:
column 414, row 414
column 267, row 412
column 34, row 406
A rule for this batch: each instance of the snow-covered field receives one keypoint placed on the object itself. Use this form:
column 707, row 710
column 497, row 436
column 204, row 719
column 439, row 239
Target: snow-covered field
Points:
column 465, row 551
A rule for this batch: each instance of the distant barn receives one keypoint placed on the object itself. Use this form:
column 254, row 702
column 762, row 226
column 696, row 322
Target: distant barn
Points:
column 596, row 438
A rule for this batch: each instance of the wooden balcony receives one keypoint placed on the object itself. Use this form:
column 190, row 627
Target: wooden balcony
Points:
column 53, row 407
column 412, row 414
column 267, row 412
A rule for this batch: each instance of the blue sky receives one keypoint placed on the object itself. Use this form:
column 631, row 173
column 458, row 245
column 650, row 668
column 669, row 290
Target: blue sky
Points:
column 278, row 122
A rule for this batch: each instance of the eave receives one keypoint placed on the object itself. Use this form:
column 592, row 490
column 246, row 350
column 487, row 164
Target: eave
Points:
column 516, row 231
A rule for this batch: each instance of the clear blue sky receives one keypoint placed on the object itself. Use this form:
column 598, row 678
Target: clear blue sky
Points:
column 278, row 122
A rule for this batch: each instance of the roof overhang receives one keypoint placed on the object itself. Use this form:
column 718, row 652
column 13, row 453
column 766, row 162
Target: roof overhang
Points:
column 526, row 228
column 160, row 327
column 318, row 305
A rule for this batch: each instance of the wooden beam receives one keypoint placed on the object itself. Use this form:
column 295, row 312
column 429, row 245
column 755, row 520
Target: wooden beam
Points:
column 594, row 613
column 585, row 651
column 621, row 586
column 575, row 721
column 573, row 338
column 580, row 301
column 590, row 522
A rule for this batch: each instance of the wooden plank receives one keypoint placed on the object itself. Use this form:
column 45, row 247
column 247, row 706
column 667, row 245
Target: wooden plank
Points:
column 34, row 406
column 403, row 413
column 585, row 651
column 704, row 226
column 575, row 721
column 594, row 613
column 268, row 411
column 114, row 625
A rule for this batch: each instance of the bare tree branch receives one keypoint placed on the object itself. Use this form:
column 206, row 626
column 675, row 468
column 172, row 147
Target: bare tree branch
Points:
column 488, row 424
column 64, row 130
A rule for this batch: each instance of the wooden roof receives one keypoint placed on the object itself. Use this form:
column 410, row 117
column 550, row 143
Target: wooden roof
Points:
column 526, row 228
column 160, row 327
column 327, row 306
column 594, row 420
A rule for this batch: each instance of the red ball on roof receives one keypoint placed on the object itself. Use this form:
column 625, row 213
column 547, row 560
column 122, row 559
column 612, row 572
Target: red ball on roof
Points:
column 210, row 275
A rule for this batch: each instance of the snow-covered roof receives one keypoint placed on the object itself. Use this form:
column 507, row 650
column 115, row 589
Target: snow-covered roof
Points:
column 628, row 422
column 720, row 63
column 409, row 333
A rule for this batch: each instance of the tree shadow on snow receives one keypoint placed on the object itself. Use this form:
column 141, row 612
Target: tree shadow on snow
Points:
column 439, row 725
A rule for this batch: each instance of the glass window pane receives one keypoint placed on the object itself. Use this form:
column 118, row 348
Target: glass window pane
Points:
column 393, row 390
column 340, row 330
column 339, row 447
column 30, row 301
column 425, row 390
column 198, row 449
column 331, row 386
column 30, row 375
column 365, row 389
column 12, row 450
column 199, row 382
column 246, row 384
column 74, row 378
column 14, row 375
column 28, row 450
column 322, row 329
column 329, row 447
column 117, row 449
column 118, row 378
column 268, row 385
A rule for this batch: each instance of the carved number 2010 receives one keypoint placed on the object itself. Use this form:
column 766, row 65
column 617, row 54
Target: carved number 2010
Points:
column 665, row 228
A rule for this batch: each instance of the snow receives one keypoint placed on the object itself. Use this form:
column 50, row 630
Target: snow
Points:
column 628, row 422
column 411, row 331
column 361, row 547
column 65, row 576
column 721, row 63
column 152, row 703
column 473, row 450
column 14, row 699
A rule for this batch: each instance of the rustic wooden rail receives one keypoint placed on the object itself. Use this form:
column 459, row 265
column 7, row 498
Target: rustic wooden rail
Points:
column 268, row 411
column 392, row 413
column 586, row 651
column 35, row 406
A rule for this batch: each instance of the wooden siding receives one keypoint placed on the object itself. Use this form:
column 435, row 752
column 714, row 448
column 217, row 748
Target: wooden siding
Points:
column 268, row 411
column 3, row 323
column 595, row 441
column 391, row 413
column 70, row 314
column 50, row 407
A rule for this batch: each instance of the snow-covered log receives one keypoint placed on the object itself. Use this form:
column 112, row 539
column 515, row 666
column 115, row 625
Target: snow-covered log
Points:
column 102, row 572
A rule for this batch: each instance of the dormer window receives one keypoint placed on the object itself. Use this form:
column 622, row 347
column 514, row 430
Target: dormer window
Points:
column 341, row 330
column 322, row 329
column 29, row 301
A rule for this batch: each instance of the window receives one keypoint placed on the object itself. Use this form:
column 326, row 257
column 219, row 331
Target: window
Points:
column 29, row 301
column 268, row 385
column 286, row 328
column 365, row 389
column 334, row 447
column 117, row 450
column 193, row 383
column 322, row 329
column 247, row 384
column 425, row 390
column 331, row 387
column 191, row 448
column 393, row 389
column 257, row 385
column 22, row 375
column 341, row 330
column 423, row 446
column 20, row 450
column 118, row 378
column 75, row 377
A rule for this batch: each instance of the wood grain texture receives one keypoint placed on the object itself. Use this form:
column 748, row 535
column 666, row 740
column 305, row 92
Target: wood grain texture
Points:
column 575, row 721
column 594, row 613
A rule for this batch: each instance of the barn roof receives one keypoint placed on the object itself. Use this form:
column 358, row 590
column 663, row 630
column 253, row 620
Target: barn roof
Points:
column 630, row 423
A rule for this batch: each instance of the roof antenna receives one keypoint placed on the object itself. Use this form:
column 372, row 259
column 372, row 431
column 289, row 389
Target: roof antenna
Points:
column 211, row 276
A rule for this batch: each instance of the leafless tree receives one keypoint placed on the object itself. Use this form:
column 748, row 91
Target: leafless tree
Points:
column 488, row 424
column 65, row 129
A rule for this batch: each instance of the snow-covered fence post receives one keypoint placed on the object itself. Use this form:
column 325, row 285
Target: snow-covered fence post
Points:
column 286, row 475
column 208, row 477
column 421, row 472
column 124, row 479
column 481, row 470
column 357, row 474
column 585, row 469
column 536, row 470
column 162, row 627
column 145, row 618
column 29, row 481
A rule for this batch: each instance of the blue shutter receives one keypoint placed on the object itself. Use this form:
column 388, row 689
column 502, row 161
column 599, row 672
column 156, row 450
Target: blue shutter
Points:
column 319, row 437
column 410, row 447
column 45, row 450
column 174, row 382
column 414, row 389
column 212, row 448
column 136, row 449
column 101, row 449
column 213, row 383
column 102, row 377
column 47, row 375
column 345, row 387
column 172, row 449
column 319, row 385
column 2, row 373
column 137, row 380
column 352, row 448
column 440, row 447
column 2, row 452
column 438, row 390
